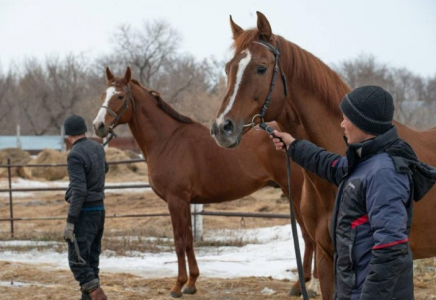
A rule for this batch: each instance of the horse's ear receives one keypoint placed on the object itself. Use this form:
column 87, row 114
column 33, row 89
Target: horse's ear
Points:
column 128, row 75
column 109, row 75
column 235, row 29
column 263, row 26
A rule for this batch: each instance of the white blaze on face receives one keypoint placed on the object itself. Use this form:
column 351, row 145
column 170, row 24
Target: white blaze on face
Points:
column 102, row 112
column 243, row 63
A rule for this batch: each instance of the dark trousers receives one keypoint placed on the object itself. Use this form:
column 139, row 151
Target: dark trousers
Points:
column 88, row 230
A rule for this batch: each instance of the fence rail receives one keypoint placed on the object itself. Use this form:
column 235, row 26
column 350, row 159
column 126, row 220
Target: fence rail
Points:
column 10, row 190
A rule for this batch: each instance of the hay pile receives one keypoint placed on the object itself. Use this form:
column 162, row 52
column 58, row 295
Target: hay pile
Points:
column 17, row 156
column 123, row 170
column 48, row 156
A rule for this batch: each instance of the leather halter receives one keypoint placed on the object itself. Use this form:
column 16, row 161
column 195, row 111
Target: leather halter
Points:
column 264, row 126
column 120, row 114
column 276, row 52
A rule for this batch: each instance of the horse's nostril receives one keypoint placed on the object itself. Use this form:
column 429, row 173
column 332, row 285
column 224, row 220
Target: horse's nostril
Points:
column 228, row 126
column 100, row 127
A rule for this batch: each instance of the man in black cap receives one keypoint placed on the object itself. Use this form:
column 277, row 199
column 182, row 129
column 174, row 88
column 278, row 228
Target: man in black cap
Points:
column 378, row 179
column 85, row 222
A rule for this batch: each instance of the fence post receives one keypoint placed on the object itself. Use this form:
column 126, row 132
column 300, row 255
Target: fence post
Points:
column 11, row 209
column 197, row 222
column 63, row 145
column 18, row 137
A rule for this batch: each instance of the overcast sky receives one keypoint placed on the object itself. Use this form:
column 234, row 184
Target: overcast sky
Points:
column 400, row 33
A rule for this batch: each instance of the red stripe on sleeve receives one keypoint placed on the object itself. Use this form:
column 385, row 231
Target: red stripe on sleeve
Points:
column 390, row 244
column 359, row 221
column 335, row 162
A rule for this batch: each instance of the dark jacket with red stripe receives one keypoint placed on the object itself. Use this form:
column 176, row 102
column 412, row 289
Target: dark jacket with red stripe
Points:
column 372, row 216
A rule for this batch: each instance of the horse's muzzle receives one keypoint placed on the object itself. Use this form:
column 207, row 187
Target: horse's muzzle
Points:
column 100, row 130
column 225, row 133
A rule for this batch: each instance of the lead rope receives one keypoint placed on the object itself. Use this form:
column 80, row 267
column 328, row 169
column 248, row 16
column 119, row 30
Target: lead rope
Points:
column 295, row 233
column 270, row 131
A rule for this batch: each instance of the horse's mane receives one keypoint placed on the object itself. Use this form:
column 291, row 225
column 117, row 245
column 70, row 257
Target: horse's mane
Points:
column 164, row 105
column 302, row 66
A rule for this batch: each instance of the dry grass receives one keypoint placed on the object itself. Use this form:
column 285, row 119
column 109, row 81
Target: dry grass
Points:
column 46, row 283
column 126, row 235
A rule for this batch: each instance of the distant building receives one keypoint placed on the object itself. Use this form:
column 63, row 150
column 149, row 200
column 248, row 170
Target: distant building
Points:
column 32, row 143
column 36, row 143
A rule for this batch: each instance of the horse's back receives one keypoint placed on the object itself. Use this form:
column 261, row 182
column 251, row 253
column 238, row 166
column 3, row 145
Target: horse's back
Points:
column 424, row 144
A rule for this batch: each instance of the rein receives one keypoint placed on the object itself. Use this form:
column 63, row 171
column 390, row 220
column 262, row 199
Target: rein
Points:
column 270, row 131
column 120, row 114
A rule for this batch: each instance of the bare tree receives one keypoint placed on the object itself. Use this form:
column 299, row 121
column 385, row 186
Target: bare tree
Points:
column 51, row 92
column 8, row 101
column 411, row 93
column 152, row 53
column 195, row 89
column 144, row 49
column 365, row 70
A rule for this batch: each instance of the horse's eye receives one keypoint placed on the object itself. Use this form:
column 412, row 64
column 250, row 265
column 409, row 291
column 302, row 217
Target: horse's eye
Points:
column 120, row 97
column 261, row 70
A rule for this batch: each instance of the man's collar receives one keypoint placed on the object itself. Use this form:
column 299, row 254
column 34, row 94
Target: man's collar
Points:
column 374, row 145
column 80, row 140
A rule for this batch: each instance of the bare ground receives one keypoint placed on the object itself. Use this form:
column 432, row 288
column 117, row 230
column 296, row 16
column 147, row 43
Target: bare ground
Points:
column 29, row 281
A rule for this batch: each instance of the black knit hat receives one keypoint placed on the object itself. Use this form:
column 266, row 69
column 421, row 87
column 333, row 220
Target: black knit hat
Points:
column 75, row 125
column 370, row 108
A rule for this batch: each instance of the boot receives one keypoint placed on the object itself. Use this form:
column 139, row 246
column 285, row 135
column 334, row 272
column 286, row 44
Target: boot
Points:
column 98, row 294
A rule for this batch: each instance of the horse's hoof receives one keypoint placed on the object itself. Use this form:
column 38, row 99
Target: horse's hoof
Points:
column 190, row 290
column 294, row 292
column 176, row 295
column 311, row 294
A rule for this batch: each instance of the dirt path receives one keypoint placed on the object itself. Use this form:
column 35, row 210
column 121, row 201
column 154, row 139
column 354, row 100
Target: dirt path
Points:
column 41, row 282
column 31, row 281
column 28, row 281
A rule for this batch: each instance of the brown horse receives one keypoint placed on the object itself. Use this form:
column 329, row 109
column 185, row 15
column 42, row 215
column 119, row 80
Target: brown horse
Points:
column 310, row 110
column 186, row 166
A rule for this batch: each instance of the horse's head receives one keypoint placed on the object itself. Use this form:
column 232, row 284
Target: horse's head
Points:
column 254, row 75
column 118, row 104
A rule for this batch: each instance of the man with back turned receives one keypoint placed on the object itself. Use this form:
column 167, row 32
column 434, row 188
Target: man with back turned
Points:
column 85, row 221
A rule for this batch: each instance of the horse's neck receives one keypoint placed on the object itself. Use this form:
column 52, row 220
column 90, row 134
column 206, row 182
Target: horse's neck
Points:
column 150, row 126
column 307, row 119
column 313, row 104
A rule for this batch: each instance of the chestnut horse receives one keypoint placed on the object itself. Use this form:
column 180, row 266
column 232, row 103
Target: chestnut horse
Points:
column 186, row 166
column 308, row 109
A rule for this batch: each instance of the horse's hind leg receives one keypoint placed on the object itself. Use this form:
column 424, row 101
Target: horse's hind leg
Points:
column 194, row 272
column 180, row 216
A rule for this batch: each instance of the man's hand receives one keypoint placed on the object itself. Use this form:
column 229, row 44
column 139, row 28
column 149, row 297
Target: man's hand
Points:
column 286, row 137
column 69, row 232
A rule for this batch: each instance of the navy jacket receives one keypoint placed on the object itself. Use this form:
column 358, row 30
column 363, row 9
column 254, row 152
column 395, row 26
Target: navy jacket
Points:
column 86, row 168
column 371, row 219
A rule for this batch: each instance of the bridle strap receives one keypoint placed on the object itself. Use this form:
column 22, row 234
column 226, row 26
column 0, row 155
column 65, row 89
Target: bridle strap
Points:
column 277, row 66
column 264, row 126
column 120, row 114
column 276, row 53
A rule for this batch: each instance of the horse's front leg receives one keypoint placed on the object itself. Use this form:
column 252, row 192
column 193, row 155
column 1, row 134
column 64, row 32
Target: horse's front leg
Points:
column 180, row 219
column 194, row 272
